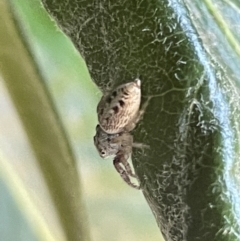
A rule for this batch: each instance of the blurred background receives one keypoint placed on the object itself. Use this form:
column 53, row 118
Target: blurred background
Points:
column 115, row 211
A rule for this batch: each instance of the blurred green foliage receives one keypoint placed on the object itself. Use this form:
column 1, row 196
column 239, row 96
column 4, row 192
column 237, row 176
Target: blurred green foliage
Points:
column 14, row 225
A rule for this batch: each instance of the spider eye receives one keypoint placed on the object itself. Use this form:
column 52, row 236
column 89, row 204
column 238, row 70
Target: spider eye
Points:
column 102, row 153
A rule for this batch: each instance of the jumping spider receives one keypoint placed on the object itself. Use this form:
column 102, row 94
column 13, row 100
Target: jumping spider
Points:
column 118, row 113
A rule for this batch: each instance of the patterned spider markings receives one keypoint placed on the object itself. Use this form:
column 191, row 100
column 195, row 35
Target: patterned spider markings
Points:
column 118, row 113
column 118, row 110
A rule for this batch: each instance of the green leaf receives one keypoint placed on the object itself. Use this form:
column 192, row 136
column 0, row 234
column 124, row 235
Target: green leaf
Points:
column 189, row 175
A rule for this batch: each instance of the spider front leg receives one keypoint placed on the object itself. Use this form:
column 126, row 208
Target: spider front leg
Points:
column 125, row 141
column 120, row 159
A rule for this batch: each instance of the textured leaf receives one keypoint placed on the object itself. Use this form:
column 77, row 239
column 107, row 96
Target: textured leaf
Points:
column 191, row 124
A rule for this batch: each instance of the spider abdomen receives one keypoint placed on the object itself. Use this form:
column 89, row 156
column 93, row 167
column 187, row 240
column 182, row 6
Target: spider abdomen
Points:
column 119, row 108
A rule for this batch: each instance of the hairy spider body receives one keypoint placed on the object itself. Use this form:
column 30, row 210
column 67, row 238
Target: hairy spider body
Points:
column 120, row 145
column 110, row 144
column 118, row 112
column 119, row 108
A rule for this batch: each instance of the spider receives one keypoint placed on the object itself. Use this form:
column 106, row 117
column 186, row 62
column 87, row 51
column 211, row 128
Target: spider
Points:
column 118, row 114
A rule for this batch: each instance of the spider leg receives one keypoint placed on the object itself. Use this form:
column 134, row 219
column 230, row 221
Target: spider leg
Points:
column 140, row 145
column 126, row 165
column 118, row 160
column 143, row 109
column 124, row 138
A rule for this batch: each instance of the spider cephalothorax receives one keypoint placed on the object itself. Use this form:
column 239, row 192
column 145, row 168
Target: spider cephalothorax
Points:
column 118, row 112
